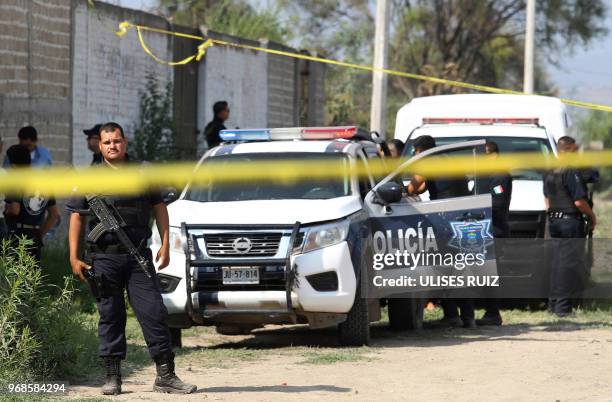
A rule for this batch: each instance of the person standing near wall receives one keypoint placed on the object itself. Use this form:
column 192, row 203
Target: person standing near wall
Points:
column 39, row 155
column 93, row 143
column 211, row 132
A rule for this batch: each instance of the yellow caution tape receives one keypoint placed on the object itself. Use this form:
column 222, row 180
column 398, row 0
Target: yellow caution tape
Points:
column 125, row 25
column 63, row 182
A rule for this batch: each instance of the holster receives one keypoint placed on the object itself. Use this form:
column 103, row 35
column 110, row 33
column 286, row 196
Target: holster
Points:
column 98, row 284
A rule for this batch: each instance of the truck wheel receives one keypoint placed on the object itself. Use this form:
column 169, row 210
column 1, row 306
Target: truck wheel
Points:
column 355, row 331
column 406, row 314
column 175, row 338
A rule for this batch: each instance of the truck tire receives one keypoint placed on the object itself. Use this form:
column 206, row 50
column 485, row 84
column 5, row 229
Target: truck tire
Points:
column 405, row 314
column 355, row 331
column 175, row 338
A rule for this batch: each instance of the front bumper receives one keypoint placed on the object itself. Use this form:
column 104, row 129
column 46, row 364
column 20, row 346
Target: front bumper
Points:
column 205, row 299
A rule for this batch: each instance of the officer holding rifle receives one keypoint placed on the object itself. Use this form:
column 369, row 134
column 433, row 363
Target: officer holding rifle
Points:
column 116, row 244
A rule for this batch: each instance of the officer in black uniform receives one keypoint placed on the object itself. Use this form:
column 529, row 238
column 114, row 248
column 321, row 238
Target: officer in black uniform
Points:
column 120, row 270
column 29, row 215
column 440, row 188
column 93, row 143
column 213, row 128
column 567, row 201
column 500, row 188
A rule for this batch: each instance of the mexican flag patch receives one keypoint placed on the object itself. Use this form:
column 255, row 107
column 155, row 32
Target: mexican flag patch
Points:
column 498, row 189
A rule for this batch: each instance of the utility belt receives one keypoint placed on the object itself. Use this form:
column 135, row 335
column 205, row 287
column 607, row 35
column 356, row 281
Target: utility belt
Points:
column 111, row 249
column 24, row 226
column 564, row 215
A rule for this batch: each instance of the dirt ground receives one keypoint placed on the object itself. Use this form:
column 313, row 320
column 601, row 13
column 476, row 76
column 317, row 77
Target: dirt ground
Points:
column 554, row 361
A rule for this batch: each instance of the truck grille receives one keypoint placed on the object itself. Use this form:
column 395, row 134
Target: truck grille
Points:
column 242, row 244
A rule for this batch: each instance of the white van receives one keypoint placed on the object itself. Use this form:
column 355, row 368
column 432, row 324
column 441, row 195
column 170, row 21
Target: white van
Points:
column 550, row 112
column 517, row 123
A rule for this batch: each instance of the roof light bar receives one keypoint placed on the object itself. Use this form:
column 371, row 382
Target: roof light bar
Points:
column 314, row 133
column 481, row 120
column 289, row 133
column 245, row 135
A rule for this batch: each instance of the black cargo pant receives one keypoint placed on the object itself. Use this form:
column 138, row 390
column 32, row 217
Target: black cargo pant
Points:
column 122, row 272
column 568, row 273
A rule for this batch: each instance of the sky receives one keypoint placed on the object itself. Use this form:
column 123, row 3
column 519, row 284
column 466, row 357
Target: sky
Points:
column 585, row 75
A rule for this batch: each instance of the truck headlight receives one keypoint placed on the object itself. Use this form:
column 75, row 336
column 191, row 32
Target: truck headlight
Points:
column 325, row 235
column 176, row 241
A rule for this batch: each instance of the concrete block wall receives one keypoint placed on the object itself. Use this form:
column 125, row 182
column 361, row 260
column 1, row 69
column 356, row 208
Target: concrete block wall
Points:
column 283, row 78
column 35, row 72
column 110, row 72
column 237, row 76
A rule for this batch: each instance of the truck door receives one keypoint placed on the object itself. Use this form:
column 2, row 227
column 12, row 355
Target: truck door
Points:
column 433, row 245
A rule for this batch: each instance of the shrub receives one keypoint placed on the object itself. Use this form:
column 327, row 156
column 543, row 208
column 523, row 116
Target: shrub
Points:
column 42, row 335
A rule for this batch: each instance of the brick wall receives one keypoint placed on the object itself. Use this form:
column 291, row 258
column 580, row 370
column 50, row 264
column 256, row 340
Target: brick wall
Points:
column 35, row 84
column 283, row 100
column 109, row 72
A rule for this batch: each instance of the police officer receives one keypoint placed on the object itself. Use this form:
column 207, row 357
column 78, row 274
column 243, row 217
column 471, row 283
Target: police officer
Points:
column 566, row 200
column 440, row 188
column 93, row 143
column 109, row 258
column 29, row 215
column 500, row 188
column 213, row 128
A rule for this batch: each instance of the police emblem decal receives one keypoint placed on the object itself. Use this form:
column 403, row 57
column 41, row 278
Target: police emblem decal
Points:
column 472, row 236
column 242, row 245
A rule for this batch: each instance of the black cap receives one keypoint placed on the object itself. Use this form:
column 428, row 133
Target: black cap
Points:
column 95, row 130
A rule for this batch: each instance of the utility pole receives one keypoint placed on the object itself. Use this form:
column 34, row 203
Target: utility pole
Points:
column 529, row 47
column 379, row 79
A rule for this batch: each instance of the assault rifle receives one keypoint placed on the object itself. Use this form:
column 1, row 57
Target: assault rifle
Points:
column 112, row 222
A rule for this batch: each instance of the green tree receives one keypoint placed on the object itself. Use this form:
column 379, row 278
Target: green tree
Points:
column 597, row 126
column 154, row 133
column 479, row 41
column 234, row 17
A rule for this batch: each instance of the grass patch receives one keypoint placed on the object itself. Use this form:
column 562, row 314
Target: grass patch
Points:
column 325, row 356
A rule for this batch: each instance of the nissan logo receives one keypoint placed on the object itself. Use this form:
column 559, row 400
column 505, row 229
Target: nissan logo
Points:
column 242, row 245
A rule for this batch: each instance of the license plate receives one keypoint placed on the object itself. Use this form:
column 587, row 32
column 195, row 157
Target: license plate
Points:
column 240, row 275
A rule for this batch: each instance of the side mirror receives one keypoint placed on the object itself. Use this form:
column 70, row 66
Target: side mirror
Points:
column 389, row 192
column 169, row 195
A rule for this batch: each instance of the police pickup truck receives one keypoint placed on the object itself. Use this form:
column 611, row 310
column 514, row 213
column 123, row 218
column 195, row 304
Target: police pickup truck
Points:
column 255, row 253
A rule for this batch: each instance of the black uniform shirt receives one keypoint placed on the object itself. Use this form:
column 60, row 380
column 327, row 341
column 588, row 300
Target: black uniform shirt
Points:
column 32, row 210
column 211, row 132
column 500, row 187
column 573, row 183
column 138, row 233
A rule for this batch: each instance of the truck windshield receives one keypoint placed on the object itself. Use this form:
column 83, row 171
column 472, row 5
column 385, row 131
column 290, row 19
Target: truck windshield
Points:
column 508, row 145
column 313, row 188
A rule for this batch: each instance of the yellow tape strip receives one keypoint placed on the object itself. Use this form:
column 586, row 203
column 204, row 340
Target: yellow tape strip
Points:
column 124, row 26
column 131, row 180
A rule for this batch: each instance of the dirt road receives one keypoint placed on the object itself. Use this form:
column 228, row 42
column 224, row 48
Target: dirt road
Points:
column 516, row 362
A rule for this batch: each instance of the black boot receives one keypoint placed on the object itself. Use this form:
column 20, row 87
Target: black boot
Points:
column 166, row 380
column 112, row 386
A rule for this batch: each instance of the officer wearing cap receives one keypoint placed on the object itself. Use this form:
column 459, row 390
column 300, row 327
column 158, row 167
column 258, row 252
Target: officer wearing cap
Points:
column 566, row 200
column 93, row 143
column 110, row 260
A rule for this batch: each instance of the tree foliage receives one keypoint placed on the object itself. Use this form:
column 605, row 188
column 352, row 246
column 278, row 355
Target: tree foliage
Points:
column 479, row 41
column 234, row 17
column 154, row 134
column 597, row 126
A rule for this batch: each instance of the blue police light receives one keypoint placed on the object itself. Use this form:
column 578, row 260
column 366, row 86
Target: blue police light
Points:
column 245, row 135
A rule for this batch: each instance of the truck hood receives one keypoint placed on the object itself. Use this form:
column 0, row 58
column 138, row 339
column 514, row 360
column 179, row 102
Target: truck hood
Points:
column 527, row 195
column 281, row 212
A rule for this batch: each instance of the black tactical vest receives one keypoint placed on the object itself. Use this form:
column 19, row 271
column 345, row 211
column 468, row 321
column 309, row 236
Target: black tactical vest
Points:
column 559, row 199
column 136, row 212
